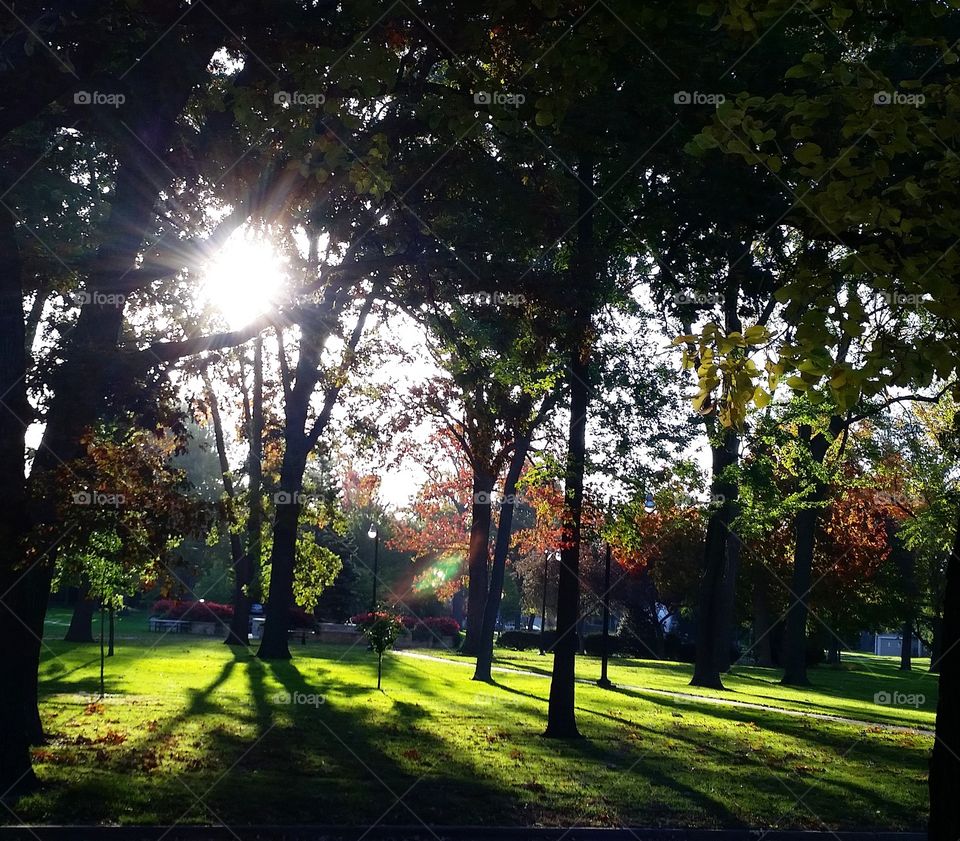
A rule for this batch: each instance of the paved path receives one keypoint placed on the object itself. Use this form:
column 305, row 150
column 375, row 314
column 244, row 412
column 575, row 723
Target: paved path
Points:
column 704, row 699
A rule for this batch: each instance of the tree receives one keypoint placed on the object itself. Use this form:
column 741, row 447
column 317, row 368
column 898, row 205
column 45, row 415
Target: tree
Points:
column 382, row 630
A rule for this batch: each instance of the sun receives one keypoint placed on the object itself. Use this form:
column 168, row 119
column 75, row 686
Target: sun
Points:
column 244, row 280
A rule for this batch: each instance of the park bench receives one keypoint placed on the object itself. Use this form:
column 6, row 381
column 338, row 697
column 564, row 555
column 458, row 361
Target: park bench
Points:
column 173, row 626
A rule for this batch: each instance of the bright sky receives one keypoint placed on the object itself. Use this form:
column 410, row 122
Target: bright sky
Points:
column 250, row 277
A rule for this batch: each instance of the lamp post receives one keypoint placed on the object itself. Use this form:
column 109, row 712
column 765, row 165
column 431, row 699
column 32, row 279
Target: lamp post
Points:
column 374, row 534
column 543, row 610
column 604, row 680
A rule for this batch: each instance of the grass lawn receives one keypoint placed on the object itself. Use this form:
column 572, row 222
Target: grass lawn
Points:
column 848, row 691
column 191, row 732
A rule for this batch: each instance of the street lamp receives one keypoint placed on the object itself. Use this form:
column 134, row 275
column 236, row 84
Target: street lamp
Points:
column 374, row 534
column 543, row 610
column 604, row 680
column 648, row 504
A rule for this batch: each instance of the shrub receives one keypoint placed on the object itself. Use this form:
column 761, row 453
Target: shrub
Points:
column 423, row 629
column 619, row 646
column 192, row 611
column 442, row 626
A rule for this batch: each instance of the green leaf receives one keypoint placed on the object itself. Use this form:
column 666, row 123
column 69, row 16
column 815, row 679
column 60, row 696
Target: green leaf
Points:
column 808, row 153
column 761, row 398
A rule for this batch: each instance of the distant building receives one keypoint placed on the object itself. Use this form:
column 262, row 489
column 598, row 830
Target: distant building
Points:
column 888, row 645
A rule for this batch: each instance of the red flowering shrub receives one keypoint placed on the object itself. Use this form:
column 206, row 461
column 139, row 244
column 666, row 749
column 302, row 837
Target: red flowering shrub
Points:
column 192, row 611
column 423, row 629
column 443, row 626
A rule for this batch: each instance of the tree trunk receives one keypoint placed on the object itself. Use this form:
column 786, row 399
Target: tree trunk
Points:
column 79, row 384
column 712, row 633
column 274, row 645
column 498, row 573
column 728, row 621
column 805, row 526
column 17, row 707
column 944, row 823
column 561, row 716
column 762, row 625
column 906, row 647
column 833, row 653
column 81, row 623
column 795, row 638
column 234, row 634
column 906, row 564
column 112, row 631
column 245, row 569
column 936, row 644
column 478, row 559
column 561, row 713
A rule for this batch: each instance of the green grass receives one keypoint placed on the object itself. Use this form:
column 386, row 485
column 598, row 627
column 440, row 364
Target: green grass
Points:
column 190, row 732
column 847, row 691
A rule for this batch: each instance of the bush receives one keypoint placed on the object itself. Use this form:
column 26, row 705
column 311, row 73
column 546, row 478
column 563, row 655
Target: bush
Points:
column 619, row 646
column 526, row 640
column 442, row 626
column 426, row 629
column 192, row 611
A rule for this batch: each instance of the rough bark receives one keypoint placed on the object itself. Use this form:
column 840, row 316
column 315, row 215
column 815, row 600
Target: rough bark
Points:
column 81, row 622
column 712, row 633
column 906, row 564
column 478, row 558
column 561, row 713
column 762, row 624
column 299, row 441
column 728, row 594
column 795, row 639
column 498, row 573
column 274, row 645
column 906, row 646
